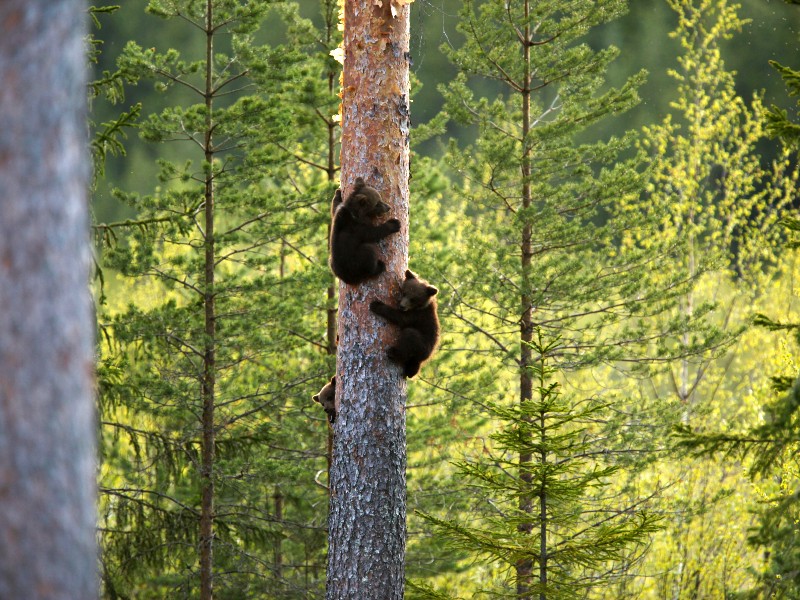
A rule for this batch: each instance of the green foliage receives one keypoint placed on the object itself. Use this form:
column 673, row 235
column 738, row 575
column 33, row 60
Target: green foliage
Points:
column 527, row 182
column 778, row 122
column 717, row 205
column 722, row 204
column 575, row 538
column 215, row 326
column 770, row 449
column 541, row 216
column 108, row 139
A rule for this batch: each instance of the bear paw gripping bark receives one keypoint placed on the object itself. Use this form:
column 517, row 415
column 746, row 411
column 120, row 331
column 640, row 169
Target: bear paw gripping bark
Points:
column 354, row 237
column 418, row 322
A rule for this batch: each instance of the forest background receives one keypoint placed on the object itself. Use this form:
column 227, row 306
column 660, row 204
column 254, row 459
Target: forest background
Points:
column 704, row 365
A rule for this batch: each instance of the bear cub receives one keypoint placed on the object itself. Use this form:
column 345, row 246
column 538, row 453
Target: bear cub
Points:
column 327, row 398
column 418, row 322
column 354, row 237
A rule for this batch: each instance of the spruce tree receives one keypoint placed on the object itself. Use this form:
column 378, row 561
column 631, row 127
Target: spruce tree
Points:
column 779, row 124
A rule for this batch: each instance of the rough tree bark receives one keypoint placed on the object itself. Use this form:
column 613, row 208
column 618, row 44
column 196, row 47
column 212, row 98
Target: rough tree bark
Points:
column 209, row 391
column 47, row 422
column 524, row 567
column 368, row 485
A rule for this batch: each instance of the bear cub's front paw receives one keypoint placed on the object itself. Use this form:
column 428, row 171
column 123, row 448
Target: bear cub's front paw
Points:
column 394, row 225
column 376, row 305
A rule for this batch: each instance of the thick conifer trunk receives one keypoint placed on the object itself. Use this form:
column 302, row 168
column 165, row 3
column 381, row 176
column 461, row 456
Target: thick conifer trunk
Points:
column 368, row 485
column 47, row 421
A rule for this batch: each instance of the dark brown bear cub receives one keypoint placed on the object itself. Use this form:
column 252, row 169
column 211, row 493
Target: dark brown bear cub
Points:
column 327, row 398
column 418, row 322
column 354, row 237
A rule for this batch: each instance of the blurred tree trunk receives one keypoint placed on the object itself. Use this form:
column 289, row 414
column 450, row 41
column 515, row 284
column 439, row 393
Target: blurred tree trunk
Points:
column 368, row 485
column 47, row 424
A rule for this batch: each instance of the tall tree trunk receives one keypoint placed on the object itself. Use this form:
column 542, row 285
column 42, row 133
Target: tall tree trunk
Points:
column 209, row 354
column 47, row 419
column 331, row 22
column 368, row 485
column 524, row 568
column 278, row 497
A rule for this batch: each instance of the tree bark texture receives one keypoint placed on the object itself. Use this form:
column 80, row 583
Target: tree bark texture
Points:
column 209, row 386
column 47, row 419
column 524, row 567
column 367, row 526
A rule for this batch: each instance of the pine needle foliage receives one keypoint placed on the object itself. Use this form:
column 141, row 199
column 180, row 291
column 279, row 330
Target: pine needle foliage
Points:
column 770, row 450
column 108, row 136
column 547, row 206
column 212, row 336
column 772, row 445
column 778, row 122
column 579, row 541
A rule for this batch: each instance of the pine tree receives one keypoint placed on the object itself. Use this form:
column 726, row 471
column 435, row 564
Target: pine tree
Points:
column 546, row 209
column 367, row 524
column 311, row 173
column 579, row 540
column 108, row 136
column 208, row 364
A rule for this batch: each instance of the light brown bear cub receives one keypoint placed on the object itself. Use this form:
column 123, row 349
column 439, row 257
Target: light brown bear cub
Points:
column 327, row 398
column 418, row 322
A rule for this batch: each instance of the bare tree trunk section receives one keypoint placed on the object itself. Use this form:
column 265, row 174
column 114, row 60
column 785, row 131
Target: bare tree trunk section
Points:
column 524, row 567
column 209, row 385
column 47, row 419
column 367, row 523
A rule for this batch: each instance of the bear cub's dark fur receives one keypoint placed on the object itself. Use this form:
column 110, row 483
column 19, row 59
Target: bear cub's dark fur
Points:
column 327, row 398
column 418, row 322
column 354, row 237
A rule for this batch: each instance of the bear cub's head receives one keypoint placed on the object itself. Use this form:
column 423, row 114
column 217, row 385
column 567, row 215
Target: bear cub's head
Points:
column 365, row 202
column 327, row 398
column 416, row 293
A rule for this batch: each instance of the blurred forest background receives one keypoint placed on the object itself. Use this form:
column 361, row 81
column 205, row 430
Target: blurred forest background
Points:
column 664, row 281
column 641, row 34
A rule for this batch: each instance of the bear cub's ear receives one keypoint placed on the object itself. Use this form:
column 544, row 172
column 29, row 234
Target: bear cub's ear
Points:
column 429, row 289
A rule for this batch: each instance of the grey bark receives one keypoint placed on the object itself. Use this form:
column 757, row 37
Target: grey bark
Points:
column 47, row 421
